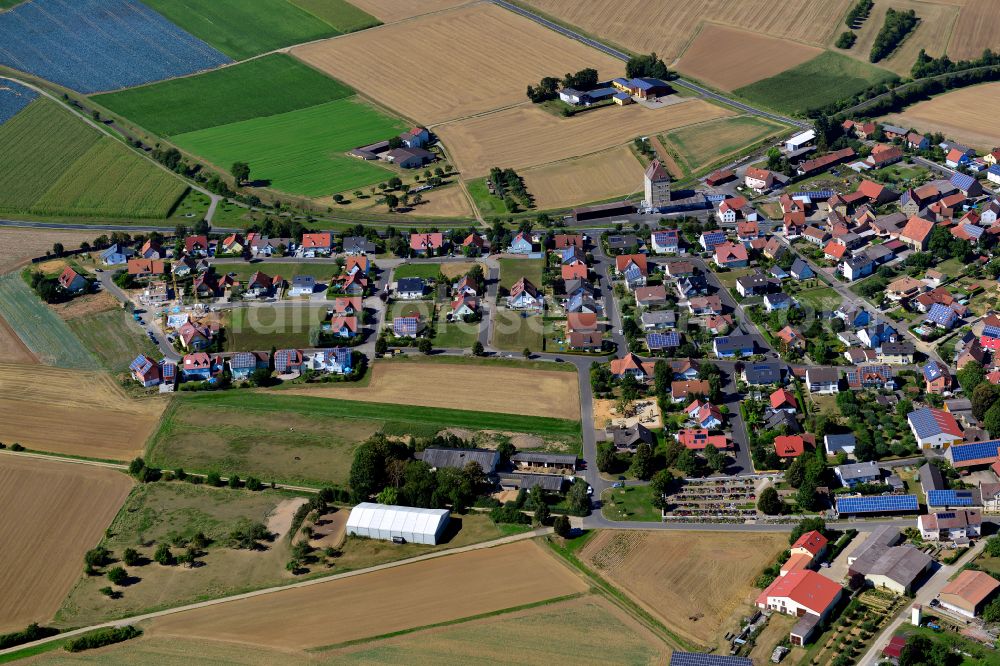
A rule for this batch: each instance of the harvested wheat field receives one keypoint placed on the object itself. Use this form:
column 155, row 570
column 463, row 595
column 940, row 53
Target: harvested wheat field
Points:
column 479, row 387
column 17, row 246
column 444, row 202
column 12, row 348
column 382, row 602
column 655, row 569
column 976, row 30
column 612, row 173
column 932, row 34
column 53, row 513
column 526, row 136
column 389, row 11
column 718, row 56
column 667, row 27
column 966, row 115
column 89, row 304
column 456, row 63
column 95, row 418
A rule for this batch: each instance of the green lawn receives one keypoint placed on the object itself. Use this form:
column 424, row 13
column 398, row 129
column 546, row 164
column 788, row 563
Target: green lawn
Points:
column 814, row 84
column 630, row 503
column 260, row 328
column 303, row 151
column 729, row 278
column 342, row 15
column 455, row 335
column 820, row 298
column 279, row 82
column 515, row 333
column 40, row 328
column 700, row 146
column 485, row 202
column 113, row 337
column 426, row 271
column 244, row 28
column 512, row 270
column 287, row 271
column 52, row 163
column 299, row 439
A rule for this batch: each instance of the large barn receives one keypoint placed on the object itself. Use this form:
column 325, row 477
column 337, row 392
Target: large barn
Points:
column 387, row 522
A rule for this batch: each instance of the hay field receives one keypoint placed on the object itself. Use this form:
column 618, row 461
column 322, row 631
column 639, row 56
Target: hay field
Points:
column 443, row 202
column 95, row 418
column 526, row 136
column 932, row 34
column 612, row 173
column 966, row 115
column 667, row 27
column 382, row 602
column 655, row 568
column 976, row 29
column 729, row 58
column 457, row 63
column 17, row 246
column 475, row 387
column 53, row 513
column 389, row 11
column 699, row 146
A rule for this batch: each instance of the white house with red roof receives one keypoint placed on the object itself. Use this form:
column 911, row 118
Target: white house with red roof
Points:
column 784, row 400
column 72, row 281
column 811, row 543
column 759, row 180
column 800, row 593
column 731, row 255
column 426, row 243
column 316, row 245
column 704, row 414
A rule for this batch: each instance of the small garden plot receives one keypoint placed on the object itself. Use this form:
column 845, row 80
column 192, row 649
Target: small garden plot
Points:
column 517, row 331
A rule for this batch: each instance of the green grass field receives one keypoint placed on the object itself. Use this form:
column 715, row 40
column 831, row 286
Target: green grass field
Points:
column 512, row 270
column 825, row 79
column 260, row 328
column 244, row 28
column 515, row 333
column 426, row 271
column 113, row 338
column 700, row 146
column 342, row 15
column 285, row 270
column 306, row 440
column 301, row 152
column 279, row 82
column 53, row 164
column 820, row 298
column 630, row 503
column 485, row 202
column 40, row 328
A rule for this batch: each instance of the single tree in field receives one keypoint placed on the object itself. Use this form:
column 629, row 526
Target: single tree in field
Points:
column 57, row 248
column 241, row 172
column 391, row 201
column 425, row 346
column 526, row 353
column 769, row 502
column 117, row 575
column 477, row 349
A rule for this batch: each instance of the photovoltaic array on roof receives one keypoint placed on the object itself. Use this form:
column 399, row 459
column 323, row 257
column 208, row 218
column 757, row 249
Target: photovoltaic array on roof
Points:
column 932, row 370
column 663, row 340
column 925, row 423
column 695, row 659
column 962, row 181
column 974, row 451
column 941, row 315
column 877, row 504
column 98, row 45
column 141, row 364
column 950, row 498
column 991, row 331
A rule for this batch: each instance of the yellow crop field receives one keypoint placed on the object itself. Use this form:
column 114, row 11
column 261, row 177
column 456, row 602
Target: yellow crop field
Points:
column 668, row 27
column 526, row 136
column 611, row 173
column 975, row 30
column 389, row 11
column 966, row 115
column 730, row 58
column 454, row 63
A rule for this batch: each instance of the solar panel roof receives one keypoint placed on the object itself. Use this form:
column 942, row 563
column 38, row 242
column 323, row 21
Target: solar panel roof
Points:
column 141, row 364
column 695, row 659
column 877, row 504
column 974, row 451
column 941, row 314
column 662, row 340
column 950, row 498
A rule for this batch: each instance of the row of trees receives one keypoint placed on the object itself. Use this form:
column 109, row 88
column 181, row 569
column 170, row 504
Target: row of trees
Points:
column 509, row 186
column 648, row 66
column 548, row 86
column 858, row 13
column 898, row 24
column 926, row 65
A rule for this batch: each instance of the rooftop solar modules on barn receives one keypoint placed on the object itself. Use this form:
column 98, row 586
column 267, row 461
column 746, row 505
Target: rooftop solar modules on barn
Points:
column 99, row 45
column 877, row 504
column 976, row 451
column 696, row 659
column 950, row 498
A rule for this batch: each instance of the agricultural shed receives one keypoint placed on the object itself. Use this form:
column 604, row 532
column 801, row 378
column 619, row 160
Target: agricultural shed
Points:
column 387, row 522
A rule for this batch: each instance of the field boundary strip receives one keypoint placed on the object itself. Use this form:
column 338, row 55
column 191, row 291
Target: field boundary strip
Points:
column 447, row 623
column 277, row 588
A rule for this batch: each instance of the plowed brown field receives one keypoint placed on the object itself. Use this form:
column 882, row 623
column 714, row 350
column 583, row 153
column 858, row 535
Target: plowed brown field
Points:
column 53, row 513
column 604, row 175
column 719, row 56
column 19, row 245
column 526, row 136
column 383, row 602
column 12, row 348
column 482, row 388
column 976, row 29
column 73, row 412
column 656, row 569
column 454, row 63
column 667, row 27
column 966, row 115
column 389, row 11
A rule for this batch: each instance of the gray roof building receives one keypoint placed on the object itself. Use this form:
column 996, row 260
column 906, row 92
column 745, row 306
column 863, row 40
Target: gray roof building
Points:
column 459, row 458
column 856, row 471
column 542, row 458
column 762, row 373
column 902, row 565
column 659, row 319
column 631, row 437
column 516, row 481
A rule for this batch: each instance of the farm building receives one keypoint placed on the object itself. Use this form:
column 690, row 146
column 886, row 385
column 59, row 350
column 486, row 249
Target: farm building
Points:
column 800, row 140
column 968, row 592
column 389, row 523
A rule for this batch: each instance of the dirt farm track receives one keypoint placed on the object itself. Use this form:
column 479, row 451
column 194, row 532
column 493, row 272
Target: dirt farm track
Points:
column 454, row 63
column 385, row 601
column 73, row 412
column 480, row 388
column 53, row 513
